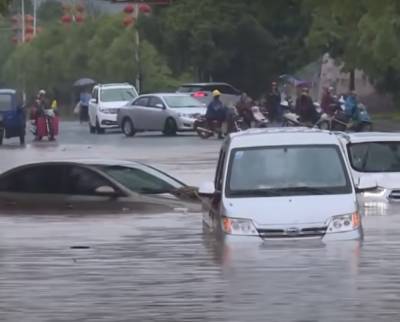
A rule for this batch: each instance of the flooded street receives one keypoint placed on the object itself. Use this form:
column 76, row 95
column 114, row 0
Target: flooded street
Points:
column 162, row 267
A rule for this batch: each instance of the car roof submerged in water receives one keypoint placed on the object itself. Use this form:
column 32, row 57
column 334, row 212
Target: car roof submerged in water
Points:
column 282, row 136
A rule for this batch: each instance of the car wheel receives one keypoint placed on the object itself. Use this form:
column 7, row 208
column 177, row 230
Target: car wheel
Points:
column 366, row 127
column 1, row 136
column 324, row 125
column 170, row 127
column 99, row 130
column 92, row 129
column 128, row 128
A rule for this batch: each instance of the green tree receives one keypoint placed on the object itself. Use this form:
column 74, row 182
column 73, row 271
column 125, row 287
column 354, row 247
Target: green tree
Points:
column 362, row 34
column 245, row 43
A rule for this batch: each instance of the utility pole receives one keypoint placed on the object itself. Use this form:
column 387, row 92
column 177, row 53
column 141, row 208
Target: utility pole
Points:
column 34, row 16
column 137, row 54
column 23, row 20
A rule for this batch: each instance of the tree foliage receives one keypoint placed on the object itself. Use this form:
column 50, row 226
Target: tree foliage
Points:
column 246, row 43
column 101, row 49
column 363, row 34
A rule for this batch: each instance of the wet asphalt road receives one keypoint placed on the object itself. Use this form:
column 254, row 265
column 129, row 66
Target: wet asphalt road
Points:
column 163, row 268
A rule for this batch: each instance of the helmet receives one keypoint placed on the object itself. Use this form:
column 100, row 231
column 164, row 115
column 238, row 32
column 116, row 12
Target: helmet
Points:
column 216, row 93
column 42, row 92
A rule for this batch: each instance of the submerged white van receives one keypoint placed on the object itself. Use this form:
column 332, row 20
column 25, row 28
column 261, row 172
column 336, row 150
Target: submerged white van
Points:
column 283, row 183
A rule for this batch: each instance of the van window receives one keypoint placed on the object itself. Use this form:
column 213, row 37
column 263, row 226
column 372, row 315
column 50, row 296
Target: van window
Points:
column 375, row 156
column 219, row 173
column 287, row 171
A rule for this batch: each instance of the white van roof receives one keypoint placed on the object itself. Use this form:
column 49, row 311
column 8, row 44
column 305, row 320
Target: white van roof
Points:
column 282, row 136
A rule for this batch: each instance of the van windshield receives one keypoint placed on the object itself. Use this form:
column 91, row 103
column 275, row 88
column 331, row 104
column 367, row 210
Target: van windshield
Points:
column 5, row 102
column 287, row 171
column 375, row 156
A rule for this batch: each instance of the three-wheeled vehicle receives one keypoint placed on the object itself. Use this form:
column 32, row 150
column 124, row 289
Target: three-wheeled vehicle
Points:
column 12, row 115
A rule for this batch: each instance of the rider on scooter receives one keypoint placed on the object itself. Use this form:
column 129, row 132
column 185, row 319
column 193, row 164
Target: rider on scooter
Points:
column 216, row 113
column 305, row 107
column 352, row 110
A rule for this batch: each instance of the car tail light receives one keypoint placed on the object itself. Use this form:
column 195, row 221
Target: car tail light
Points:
column 199, row 94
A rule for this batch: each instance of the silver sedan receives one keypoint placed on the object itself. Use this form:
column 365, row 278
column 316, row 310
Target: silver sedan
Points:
column 92, row 186
column 168, row 113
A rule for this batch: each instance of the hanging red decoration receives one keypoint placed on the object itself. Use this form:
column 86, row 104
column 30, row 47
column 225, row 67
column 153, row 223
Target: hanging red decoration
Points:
column 128, row 21
column 80, row 19
column 66, row 19
column 14, row 19
column 129, row 9
column 29, row 30
column 14, row 40
column 29, row 19
column 144, row 8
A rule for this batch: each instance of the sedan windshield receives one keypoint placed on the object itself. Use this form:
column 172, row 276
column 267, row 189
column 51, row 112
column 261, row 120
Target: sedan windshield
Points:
column 117, row 94
column 150, row 181
column 5, row 103
column 182, row 101
column 287, row 171
column 375, row 156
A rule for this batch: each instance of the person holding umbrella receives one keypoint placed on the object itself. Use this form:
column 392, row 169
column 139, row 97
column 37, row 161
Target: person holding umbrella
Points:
column 84, row 97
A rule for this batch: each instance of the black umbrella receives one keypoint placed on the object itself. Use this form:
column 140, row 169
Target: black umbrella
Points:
column 84, row 82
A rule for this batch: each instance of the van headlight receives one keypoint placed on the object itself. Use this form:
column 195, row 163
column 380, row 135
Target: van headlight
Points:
column 378, row 192
column 237, row 226
column 343, row 223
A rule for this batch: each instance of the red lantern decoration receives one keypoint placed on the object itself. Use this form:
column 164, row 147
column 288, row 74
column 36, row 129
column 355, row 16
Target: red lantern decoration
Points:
column 66, row 19
column 128, row 21
column 80, row 8
column 29, row 19
column 144, row 8
column 80, row 19
column 129, row 9
column 29, row 30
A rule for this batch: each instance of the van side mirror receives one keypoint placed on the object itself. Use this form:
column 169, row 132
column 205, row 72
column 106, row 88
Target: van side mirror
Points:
column 366, row 184
column 207, row 189
column 159, row 105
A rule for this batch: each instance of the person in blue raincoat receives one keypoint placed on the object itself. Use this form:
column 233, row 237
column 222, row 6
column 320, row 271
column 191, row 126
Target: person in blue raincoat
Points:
column 216, row 112
column 351, row 109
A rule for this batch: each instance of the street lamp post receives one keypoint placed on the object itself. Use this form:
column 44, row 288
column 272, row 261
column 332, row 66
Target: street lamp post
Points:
column 139, row 6
column 137, row 54
column 23, row 19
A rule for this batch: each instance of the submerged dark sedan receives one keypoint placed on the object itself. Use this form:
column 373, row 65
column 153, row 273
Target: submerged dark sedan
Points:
column 93, row 186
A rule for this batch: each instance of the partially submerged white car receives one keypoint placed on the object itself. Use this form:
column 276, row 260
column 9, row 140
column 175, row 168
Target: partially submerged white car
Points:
column 375, row 156
column 287, row 183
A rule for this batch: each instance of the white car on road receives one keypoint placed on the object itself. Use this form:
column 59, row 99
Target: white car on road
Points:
column 376, row 156
column 277, row 184
column 168, row 113
column 106, row 100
